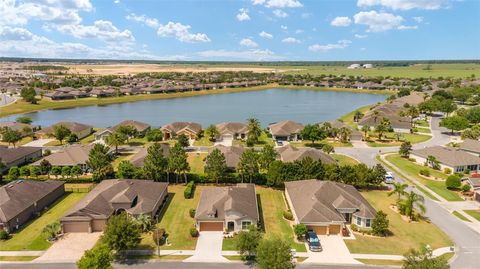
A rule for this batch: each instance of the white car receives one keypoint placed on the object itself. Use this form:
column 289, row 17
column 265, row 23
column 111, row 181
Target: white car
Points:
column 389, row 178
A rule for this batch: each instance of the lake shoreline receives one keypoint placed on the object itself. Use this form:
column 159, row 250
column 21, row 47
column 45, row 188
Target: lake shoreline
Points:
column 21, row 107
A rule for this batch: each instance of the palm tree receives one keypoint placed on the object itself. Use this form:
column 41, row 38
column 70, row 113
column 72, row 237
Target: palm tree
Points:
column 357, row 116
column 411, row 201
column 344, row 134
column 116, row 139
column 375, row 116
column 254, row 129
column 399, row 189
column 365, row 129
column 52, row 229
column 144, row 222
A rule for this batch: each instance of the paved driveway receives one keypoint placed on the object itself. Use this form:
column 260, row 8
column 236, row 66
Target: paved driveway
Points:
column 209, row 248
column 226, row 141
column 69, row 248
column 38, row 142
column 334, row 252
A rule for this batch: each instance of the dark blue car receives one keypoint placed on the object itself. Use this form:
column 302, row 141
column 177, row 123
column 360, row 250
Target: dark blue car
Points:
column 313, row 241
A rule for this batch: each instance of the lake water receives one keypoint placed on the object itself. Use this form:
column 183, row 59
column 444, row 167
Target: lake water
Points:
column 272, row 105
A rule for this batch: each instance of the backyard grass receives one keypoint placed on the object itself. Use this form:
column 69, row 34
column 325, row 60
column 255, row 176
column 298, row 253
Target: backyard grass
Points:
column 120, row 157
column 176, row 220
column 474, row 213
column 344, row 159
column 196, row 162
column 381, row 262
column 405, row 235
column 17, row 258
column 89, row 139
column 460, row 216
column 272, row 204
column 31, row 237
column 412, row 169
column 203, row 142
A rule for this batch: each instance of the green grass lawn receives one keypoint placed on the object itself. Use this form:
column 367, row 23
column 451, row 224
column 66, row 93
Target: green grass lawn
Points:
column 196, row 162
column 88, row 139
column 272, row 205
column 22, row 141
column 319, row 144
column 424, row 130
column 381, row 262
column 17, row 258
column 422, row 123
column 344, row 159
column 474, row 213
column 389, row 139
column 176, row 220
column 229, row 244
column 405, row 235
column 460, row 216
column 203, row 142
column 55, row 143
column 412, row 169
column 31, row 237
column 262, row 140
column 120, row 157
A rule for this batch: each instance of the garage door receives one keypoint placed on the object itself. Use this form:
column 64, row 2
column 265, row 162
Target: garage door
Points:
column 211, row 226
column 76, row 227
column 318, row 229
column 98, row 225
column 334, row 229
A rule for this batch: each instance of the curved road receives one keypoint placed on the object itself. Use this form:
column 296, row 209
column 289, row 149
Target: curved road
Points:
column 467, row 241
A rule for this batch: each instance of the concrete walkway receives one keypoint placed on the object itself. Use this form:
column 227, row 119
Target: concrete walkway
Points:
column 209, row 248
column 21, row 253
column 38, row 142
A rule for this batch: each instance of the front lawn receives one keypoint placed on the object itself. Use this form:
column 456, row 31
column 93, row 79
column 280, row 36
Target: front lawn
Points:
column 196, row 162
column 389, row 139
column 319, row 144
column 412, row 169
column 264, row 139
column 229, row 244
column 17, row 258
column 405, row 235
column 31, row 236
column 424, row 130
column 176, row 220
column 344, row 159
column 474, row 213
column 422, row 123
column 203, row 142
column 460, row 216
column 120, row 157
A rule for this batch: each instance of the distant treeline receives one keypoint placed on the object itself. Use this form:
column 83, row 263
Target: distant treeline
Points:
column 45, row 67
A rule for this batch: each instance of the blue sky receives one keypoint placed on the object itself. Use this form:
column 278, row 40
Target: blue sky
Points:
column 245, row 30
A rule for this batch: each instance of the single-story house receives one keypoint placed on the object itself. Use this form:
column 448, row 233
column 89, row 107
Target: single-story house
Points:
column 18, row 156
column 232, row 154
column 470, row 146
column 141, row 127
column 174, row 129
column 231, row 208
column 232, row 130
column 71, row 155
column 138, row 158
column 289, row 153
column 111, row 197
column 79, row 129
column 456, row 160
column 326, row 207
column 355, row 135
column 21, row 200
column 285, row 130
column 101, row 135
column 25, row 129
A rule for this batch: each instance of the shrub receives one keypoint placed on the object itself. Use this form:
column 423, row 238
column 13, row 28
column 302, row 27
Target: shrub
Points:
column 380, row 224
column 447, row 171
column 466, row 188
column 192, row 212
column 354, row 227
column 193, row 232
column 425, row 172
column 300, row 230
column 188, row 193
column 467, row 172
column 453, row 182
column 158, row 236
column 3, row 234
column 288, row 215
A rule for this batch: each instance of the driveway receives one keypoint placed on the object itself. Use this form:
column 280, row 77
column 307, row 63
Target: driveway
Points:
column 227, row 142
column 334, row 252
column 209, row 248
column 38, row 142
column 69, row 248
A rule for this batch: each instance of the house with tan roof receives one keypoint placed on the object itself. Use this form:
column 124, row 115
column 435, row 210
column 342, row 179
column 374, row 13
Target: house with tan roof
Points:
column 232, row 154
column 24, row 129
column 232, row 130
column 113, row 196
column 326, row 207
column 285, row 130
column 289, row 153
column 18, row 156
column 22, row 200
column 71, row 155
column 471, row 146
column 140, row 127
column 230, row 208
column 458, row 161
column 79, row 129
column 138, row 158
column 174, row 129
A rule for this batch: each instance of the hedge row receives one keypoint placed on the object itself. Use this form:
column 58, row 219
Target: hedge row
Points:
column 188, row 193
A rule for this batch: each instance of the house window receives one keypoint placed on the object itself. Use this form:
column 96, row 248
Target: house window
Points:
column 472, row 167
column 368, row 222
column 245, row 225
column 459, row 169
column 359, row 221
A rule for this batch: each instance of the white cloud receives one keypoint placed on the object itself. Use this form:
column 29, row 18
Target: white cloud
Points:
column 116, row 1
column 265, row 35
column 247, row 42
column 299, row 31
column 243, row 15
column 249, row 55
column 280, row 13
column 103, row 30
column 341, row 21
column 150, row 22
column 407, row 27
column 290, row 40
column 14, row 33
column 278, row 3
column 284, row 27
column 418, row 19
column 378, row 22
column 360, row 36
column 181, row 32
column 404, row 4
column 341, row 44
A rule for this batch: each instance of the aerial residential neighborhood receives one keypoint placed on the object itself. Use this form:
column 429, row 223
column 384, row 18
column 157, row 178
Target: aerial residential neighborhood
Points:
column 266, row 134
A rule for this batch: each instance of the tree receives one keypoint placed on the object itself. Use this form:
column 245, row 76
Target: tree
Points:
column 100, row 162
column 453, row 182
column 66, row 171
column 215, row 165
column 455, row 123
column 128, row 131
column 177, row 162
column 155, row 164
column 472, row 115
column 116, row 139
column 34, row 171
column 274, row 253
column 300, row 230
column 357, row 116
column 212, row 132
column 52, row 230
column 267, row 156
column 182, row 140
column 24, row 171
column 399, row 189
column 121, row 233
column 154, row 135
column 24, row 119
column 60, row 132
column 126, row 170
column 72, row 138
column 313, row 132
column 248, row 165
column 56, row 171
column 28, row 94
column 76, row 171
column 11, row 136
column 423, row 259
column 2, row 167
column 380, row 224
column 254, row 130
column 344, row 134
column 410, row 201
column 13, row 173
column 365, row 130
column 275, row 173
column 381, row 129
column 405, row 149
column 144, row 222
column 99, row 257
column 412, row 112
column 432, row 162
column 327, row 148
column 247, row 241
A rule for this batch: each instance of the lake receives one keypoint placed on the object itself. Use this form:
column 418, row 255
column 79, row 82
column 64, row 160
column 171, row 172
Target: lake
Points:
column 272, row 105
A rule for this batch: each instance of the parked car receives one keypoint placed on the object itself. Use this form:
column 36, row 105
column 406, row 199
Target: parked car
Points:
column 389, row 178
column 313, row 241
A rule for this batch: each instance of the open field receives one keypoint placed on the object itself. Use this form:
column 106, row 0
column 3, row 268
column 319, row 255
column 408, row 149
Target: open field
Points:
column 405, row 235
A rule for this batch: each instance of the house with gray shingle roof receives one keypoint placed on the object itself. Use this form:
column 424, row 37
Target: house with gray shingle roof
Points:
column 232, row 130
column 18, row 156
column 326, row 207
column 289, row 153
column 285, row 130
column 232, row 154
column 454, row 159
column 174, row 129
column 79, row 129
column 471, row 146
column 71, row 155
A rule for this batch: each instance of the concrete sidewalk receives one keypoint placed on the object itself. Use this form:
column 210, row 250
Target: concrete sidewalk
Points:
column 21, row 253
column 437, row 252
